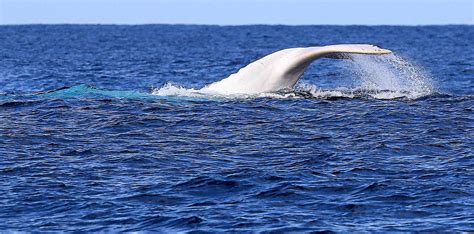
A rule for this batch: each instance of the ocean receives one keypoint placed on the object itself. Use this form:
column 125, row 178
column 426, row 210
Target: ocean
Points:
column 106, row 128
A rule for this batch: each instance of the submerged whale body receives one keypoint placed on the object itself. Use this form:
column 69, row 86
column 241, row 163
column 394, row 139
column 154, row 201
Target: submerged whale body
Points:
column 282, row 69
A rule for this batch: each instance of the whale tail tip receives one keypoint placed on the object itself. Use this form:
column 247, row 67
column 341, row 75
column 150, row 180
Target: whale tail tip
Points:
column 373, row 49
column 355, row 49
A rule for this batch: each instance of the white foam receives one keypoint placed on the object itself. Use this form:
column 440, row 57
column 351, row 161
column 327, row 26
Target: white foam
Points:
column 173, row 90
column 170, row 89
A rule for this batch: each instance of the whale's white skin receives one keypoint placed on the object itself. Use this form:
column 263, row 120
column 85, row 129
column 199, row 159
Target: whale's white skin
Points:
column 283, row 68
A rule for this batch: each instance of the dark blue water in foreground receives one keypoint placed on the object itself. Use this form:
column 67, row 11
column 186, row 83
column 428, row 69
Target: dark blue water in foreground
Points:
column 86, row 146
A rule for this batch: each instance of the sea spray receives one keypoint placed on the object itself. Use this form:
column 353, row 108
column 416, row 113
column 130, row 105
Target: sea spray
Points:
column 390, row 76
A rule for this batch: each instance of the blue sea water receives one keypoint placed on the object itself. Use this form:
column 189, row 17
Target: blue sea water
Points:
column 103, row 128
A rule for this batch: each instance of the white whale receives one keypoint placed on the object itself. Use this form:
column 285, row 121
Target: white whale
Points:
column 283, row 68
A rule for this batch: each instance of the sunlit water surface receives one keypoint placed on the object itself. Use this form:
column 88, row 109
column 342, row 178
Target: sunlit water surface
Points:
column 108, row 128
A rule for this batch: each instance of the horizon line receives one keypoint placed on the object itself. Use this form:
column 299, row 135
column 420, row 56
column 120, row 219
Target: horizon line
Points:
column 234, row 25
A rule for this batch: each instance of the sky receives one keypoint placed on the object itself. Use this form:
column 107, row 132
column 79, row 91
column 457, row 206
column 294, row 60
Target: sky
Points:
column 238, row 12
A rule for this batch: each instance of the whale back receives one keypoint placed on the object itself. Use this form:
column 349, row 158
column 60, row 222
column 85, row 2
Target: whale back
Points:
column 282, row 69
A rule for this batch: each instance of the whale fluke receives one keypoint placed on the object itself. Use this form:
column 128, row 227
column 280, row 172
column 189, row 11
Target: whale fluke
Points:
column 283, row 68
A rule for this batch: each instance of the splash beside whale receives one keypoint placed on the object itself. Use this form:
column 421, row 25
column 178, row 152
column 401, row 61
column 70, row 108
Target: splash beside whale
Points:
column 282, row 69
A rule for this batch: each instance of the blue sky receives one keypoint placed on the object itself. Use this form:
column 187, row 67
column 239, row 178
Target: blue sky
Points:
column 236, row 12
